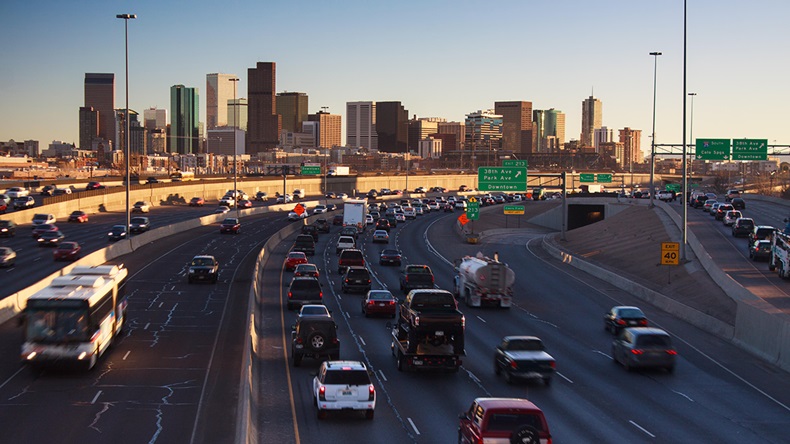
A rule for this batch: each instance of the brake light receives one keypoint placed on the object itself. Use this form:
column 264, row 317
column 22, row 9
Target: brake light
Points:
column 335, row 340
column 346, row 280
column 671, row 352
column 416, row 321
column 322, row 393
column 298, row 340
column 432, row 279
column 391, row 303
column 636, row 351
column 643, row 322
column 371, row 392
column 290, row 295
column 368, row 281
column 407, row 278
column 553, row 364
column 463, row 321
column 620, row 322
column 513, row 365
column 320, row 294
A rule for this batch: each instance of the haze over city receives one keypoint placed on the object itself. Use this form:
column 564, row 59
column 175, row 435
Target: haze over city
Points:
column 439, row 58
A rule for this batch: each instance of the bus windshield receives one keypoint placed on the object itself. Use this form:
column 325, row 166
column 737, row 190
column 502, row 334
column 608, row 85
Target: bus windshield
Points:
column 57, row 325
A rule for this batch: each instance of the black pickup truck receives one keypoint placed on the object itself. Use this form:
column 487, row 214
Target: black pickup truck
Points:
column 430, row 331
column 304, row 243
column 415, row 276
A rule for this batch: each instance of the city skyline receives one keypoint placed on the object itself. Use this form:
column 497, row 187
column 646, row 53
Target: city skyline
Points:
column 734, row 70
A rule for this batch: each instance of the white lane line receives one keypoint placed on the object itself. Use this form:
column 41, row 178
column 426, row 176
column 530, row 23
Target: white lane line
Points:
column 563, row 377
column 339, row 298
column 683, row 395
column 126, row 355
column 172, row 288
column 602, row 353
column 482, row 319
column 96, row 397
column 361, row 340
column 381, row 373
column 413, row 426
column 348, row 315
column 11, row 377
column 473, row 377
column 161, row 304
column 146, row 326
column 642, row 429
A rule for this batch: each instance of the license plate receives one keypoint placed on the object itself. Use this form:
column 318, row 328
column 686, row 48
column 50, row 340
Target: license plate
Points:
column 380, row 304
column 439, row 333
column 346, row 393
column 417, row 362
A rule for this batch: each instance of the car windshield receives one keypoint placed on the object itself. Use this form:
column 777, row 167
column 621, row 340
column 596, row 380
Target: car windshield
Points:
column 380, row 295
column 513, row 421
column 525, row 345
column 305, row 284
column 40, row 217
column 389, row 253
column 296, row 256
column 313, row 310
column 418, row 270
column 202, row 261
column 138, row 220
column 139, row 204
column 631, row 313
column 347, row 377
column 653, row 341
column 230, row 221
column 67, row 246
column 360, row 273
column 352, row 255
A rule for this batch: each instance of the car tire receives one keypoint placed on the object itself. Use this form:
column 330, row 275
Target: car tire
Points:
column 525, row 435
column 497, row 370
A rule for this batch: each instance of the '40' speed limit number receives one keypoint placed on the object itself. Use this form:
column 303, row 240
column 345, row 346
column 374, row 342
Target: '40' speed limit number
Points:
column 670, row 253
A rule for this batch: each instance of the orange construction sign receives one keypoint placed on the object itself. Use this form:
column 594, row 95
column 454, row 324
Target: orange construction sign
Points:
column 463, row 219
column 299, row 209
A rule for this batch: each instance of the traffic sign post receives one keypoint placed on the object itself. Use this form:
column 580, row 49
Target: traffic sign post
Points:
column 310, row 170
column 502, row 179
column 673, row 187
column 670, row 253
column 749, row 149
column 472, row 209
column 514, row 163
column 713, row 149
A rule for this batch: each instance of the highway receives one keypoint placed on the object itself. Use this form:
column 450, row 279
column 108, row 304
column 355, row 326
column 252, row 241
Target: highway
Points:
column 718, row 392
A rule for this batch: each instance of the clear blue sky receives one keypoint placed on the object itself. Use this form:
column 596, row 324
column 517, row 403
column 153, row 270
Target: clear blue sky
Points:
column 439, row 58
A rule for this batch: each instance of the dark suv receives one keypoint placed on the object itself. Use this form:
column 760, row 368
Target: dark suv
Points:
column 203, row 268
column 742, row 226
column 761, row 232
column 304, row 290
column 305, row 243
column 311, row 230
column 356, row 279
column 348, row 258
column 314, row 337
column 322, row 225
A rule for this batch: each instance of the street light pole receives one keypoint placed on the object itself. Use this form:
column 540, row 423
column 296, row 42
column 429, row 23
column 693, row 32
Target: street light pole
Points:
column 685, row 148
column 653, row 137
column 691, row 127
column 235, row 126
column 126, row 18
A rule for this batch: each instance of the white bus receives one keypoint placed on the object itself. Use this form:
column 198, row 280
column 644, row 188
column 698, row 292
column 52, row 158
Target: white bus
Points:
column 75, row 319
column 182, row 176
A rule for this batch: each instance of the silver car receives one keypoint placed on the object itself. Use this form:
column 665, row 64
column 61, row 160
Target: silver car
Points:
column 644, row 347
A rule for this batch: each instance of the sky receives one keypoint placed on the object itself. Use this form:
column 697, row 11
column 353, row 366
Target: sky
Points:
column 439, row 58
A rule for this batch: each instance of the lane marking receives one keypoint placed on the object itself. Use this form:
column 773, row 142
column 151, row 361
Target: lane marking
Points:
column 381, row 373
column 161, row 304
column 362, row 341
column 96, row 397
column 563, row 377
column 602, row 353
column 126, row 355
column 11, row 377
column 683, row 395
column 478, row 317
column 642, row 429
column 413, row 426
column 146, row 326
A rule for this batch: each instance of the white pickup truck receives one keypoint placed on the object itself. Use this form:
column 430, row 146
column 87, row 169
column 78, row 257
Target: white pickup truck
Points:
column 344, row 242
column 665, row 195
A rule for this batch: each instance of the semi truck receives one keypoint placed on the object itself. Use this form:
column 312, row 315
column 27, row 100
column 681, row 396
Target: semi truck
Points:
column 429, row 334
column 338, row 171
column 354, row 212
column 481, row 280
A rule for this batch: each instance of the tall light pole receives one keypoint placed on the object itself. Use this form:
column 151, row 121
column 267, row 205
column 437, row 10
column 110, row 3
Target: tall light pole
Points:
column 653, row 137
column 691, row 127
column 235, row 80
column 126, row 18
column 685, row 148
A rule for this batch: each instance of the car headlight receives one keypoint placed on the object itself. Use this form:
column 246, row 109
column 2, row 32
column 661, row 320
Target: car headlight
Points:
column 191, row 270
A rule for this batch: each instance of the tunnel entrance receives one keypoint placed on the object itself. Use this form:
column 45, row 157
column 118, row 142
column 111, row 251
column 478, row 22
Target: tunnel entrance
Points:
column 581, row 215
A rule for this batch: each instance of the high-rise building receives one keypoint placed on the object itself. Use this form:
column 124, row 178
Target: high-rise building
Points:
column 361, row 125
column 89, row 126
column 592, row 118
column 292, row 106
column 329, row 129
column 420, row 129
column 155, row 118
column 516, row 126
column 184, row 115
column 237, row 109
column 455, row 129
column 632, row 151
column 600, row 136
column 100, row 95
column 137, row 133
column 483, row 130
column 263, row 122
column 548, row 128
column 392, row 127
column 219, row 90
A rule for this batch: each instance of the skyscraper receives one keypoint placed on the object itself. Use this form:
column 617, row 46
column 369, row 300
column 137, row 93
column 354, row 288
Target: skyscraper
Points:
column 422, row 128
column 392, row 127
column 602, row 135
column 361, row 125
column 632, row 141
column 219, row 89
column 458, row 133
column 329, row 129
column 237, row 109
column 548, row 127
column 263, row 122
column 184, row 115
column 100, row 95
column 292, row 106
column 89, row 126
column 483, row 130
column 516, row 126
column 592, row 118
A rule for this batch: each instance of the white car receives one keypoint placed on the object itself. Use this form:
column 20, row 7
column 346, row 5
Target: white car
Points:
column 434, row 206
column 344, row 385
column 222, row 209
column 368, row 219
column 381, row 236
column 460, row 205
column 319, row 209
column 400, row 217
column 17, row 192
column 228, row 201
column 141, row 207
column 345, row 242
column 286, row 199
column 293, row 215
column 731, row 216
column 342, row 196
column 409, row 213
column 41, row 219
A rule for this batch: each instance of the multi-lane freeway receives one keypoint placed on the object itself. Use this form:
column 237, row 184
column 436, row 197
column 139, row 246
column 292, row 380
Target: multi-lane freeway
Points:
column 174, row 376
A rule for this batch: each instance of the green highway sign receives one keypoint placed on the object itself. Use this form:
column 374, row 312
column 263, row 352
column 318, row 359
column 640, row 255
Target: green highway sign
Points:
column 311, row 170
column 514, row 209
column 472, row 209
column 673, row 187
column 514, row 163
column 713, row 149
column 502, row 179
column 749, row 149
column 604, row 178
column 586, row 177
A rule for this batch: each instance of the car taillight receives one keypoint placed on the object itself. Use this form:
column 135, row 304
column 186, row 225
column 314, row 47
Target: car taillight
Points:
column 290, row 295
column 371, row 392
column 322, row 393
column 620, row 322
column 636, row 351
column 553, row 364
column 368, row 281
column 671, row 352
column 320, row 294
column 391, row 303
column 416, row 321
column 346, row 280
column 298, row 340
column 513, row 365
column 335, row 340
column 643, row 322
column 463, row 321
column 432, row 279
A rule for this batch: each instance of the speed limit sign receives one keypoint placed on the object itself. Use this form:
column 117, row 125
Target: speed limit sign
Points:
column 670, row 253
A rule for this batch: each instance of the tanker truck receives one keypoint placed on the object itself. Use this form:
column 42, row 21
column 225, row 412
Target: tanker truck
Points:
column 481, row 280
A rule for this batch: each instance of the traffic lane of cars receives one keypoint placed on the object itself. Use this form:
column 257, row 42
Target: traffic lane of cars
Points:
column 581, row 348
column 150, row 383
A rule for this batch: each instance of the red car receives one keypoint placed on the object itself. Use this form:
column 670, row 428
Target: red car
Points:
column 67, row 251
column 503, row 420
column 197, row 202
column 230, row 225
column 379, row 302
column 293, row 259
column 78, row 216
column 245, row 204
